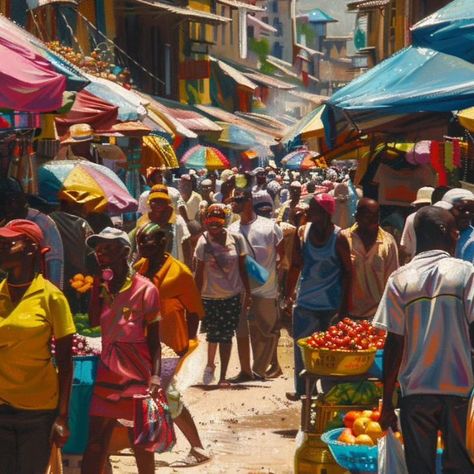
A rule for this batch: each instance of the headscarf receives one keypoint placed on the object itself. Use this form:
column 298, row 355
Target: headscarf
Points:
column 326, row 201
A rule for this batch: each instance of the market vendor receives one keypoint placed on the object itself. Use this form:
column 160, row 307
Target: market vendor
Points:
column 181, row 310
column 34, row 394
column 126, row 306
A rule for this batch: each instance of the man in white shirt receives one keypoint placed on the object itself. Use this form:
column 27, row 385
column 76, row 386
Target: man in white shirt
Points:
column 191, row 198
column 428, row 310
column 408, row 239
column 264, row 239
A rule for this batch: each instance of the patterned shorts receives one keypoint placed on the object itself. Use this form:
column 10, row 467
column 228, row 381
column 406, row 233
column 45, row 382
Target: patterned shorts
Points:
column 221, row 318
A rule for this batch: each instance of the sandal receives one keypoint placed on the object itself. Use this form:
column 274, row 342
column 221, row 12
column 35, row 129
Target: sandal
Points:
column 195, row 457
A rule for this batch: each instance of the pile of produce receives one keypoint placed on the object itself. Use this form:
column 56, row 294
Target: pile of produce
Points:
column 96, row 64
column 82, row 326
column 354, row 393
column 347, row 335
column 81, row 283
column 362, row 427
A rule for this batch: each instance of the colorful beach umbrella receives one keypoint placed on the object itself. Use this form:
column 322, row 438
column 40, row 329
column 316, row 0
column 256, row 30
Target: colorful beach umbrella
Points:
column 199, row 157
column 300, row 160
column 157, row 152
column 95, row 187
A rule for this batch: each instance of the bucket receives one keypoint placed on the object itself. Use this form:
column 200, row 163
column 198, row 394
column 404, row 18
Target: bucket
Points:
column 85, row 369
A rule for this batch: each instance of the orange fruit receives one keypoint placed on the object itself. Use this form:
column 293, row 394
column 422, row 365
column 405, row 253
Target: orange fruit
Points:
column 364, row 439
column 374, row 430
column 360, row 424
column 350, row 417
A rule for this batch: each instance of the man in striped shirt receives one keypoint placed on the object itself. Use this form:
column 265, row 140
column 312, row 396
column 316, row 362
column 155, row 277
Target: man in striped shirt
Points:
column 428, row 310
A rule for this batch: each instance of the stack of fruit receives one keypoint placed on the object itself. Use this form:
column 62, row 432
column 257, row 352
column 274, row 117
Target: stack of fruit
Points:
column 95, row 64
column 82, row 326
column 347, row 335
column 81, row 283
column 362, row 428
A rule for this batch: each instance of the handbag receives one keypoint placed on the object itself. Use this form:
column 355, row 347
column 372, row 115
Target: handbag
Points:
column 470, row 428
column 258, row 275
column 153, row 427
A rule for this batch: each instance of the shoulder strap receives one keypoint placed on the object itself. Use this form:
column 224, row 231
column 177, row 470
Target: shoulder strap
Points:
column 208, row 245
column 249, row 244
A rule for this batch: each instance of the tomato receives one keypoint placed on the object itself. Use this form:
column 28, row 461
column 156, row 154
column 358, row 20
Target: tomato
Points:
column 346, row 341
column 364, row 343
column 379, row 344
column 347, row 320
column 375, row 415
column 350, row 417
column 340, row 325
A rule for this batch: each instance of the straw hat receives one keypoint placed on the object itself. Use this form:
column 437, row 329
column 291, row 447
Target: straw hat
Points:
column 79, row 133
column 423, row 196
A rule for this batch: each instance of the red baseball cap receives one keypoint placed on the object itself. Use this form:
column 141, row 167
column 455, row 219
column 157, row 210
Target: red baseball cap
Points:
column 18, row 227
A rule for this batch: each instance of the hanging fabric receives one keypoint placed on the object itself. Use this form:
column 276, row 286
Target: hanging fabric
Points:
column 448, row 156
column 437, row 164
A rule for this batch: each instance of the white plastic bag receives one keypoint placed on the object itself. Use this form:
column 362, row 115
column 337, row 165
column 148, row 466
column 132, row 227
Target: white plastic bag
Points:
column 391, row 457
column 470, row 428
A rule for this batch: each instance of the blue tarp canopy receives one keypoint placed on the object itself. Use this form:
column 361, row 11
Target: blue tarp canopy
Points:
column 413, row 80
column 449, row 30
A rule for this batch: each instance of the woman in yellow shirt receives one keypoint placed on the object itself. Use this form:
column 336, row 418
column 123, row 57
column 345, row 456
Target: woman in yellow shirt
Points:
column 34, row 394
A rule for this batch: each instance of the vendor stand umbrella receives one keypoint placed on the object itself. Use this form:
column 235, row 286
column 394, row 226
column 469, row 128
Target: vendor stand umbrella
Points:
column 199, row 157
column 300, row 160
column 157, row 152
column 95, row 187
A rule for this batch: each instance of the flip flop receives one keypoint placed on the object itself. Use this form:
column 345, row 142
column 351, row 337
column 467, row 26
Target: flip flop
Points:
column 195, row 457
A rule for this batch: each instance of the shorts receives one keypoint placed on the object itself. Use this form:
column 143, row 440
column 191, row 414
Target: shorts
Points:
column 221, row 318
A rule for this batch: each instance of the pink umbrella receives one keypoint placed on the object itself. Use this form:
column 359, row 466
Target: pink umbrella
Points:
column 29, row 82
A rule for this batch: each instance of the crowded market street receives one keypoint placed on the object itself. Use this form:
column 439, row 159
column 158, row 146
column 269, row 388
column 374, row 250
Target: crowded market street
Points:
column 237, row 236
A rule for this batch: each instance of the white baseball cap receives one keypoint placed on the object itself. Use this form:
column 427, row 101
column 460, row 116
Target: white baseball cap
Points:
column 109, row 233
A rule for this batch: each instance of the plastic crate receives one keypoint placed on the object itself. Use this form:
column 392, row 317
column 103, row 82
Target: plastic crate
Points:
column 85, row 369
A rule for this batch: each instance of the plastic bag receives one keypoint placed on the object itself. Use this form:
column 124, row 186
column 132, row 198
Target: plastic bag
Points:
column 391, row 457
column 55, row 465
column 470, row 428
column 153, row 426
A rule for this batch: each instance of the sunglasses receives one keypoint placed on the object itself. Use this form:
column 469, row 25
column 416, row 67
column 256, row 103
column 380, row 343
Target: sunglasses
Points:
column 240, row 199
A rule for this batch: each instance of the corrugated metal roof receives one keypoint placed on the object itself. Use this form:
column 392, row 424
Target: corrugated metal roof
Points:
column 234, row 74
column 317, row 16
column 190, row 119
column 188, row 12
column 237, row 4
column 260, row 24
column 367, row 4
column 313, row 98
column 269, row 81
column 229, row 117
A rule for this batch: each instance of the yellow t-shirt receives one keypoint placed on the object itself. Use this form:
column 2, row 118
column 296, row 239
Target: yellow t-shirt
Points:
column 28, row 378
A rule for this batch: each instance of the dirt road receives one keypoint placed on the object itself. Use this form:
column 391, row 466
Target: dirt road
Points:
column 249, row 428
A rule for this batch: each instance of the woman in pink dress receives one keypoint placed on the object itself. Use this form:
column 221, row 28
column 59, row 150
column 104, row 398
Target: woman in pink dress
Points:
column 127, row 308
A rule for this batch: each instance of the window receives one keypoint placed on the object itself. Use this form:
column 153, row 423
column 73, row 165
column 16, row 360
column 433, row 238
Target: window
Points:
column 277, row 50
column 275, row 6
column 278, row 25
column 224, row 27
column 250, row 32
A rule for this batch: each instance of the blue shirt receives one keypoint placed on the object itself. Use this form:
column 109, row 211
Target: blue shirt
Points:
column 320, row 284
column 465, row 245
